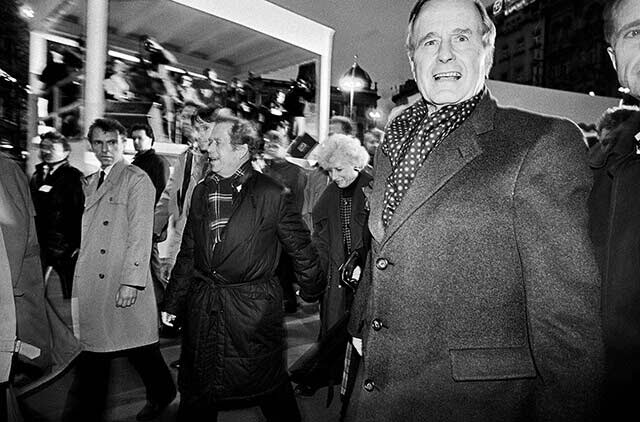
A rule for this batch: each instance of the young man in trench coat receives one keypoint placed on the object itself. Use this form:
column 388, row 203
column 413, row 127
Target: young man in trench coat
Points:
column 483, row 299
column 114, row 305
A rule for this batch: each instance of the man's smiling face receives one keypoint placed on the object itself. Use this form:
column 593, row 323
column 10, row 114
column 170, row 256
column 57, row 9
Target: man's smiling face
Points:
column 449, row 60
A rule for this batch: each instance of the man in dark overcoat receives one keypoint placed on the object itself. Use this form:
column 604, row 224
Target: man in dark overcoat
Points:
column 223, row 286
column 615, row 219
column 483, row 300
column 56, row 188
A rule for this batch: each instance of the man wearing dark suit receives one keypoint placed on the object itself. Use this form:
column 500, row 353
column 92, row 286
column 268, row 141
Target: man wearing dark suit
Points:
column 157, row 167
column 56, row 188
column 481, row 301
column 615, row 217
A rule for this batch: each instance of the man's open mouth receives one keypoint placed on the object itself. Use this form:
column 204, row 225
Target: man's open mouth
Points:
column 453, row 76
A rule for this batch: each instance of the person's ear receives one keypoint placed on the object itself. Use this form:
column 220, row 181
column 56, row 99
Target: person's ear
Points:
column 612, row 56
column 412, row 65
column 242, row 149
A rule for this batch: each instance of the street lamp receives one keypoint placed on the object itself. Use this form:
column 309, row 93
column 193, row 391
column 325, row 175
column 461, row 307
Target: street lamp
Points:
column 375, row 115
column 353, row 80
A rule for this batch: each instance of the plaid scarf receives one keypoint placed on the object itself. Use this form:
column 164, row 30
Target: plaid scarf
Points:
column 410, row 138
column 222, row 193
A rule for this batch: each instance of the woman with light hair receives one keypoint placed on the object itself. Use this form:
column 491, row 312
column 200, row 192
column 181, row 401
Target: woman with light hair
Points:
column 340, row 227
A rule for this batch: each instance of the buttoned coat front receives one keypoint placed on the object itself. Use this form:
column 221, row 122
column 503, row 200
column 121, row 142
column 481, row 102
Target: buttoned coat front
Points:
column 484, row 286
column 115, row 249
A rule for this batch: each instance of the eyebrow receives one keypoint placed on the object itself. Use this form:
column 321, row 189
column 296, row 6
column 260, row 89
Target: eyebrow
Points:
column 627, row 26
column 456, row 31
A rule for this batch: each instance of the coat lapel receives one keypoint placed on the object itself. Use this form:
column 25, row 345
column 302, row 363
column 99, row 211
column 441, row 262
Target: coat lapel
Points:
column 456, row 151
column 93, row 195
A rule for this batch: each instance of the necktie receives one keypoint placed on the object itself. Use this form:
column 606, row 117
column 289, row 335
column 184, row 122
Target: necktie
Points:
column 46, row 169
column 101, row 179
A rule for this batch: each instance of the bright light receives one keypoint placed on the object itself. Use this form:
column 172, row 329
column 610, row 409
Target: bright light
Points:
column 348, row 83
column 624, row 90
column 26, row 12
column 375, row 114
column 591, row 93
column 123, row 56
column 174, row 69
column 196, row 75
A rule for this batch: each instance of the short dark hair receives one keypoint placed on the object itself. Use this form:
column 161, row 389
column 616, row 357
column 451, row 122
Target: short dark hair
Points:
column 142, row 126
column 56, row 138
column 241, row 132
column 106, row 125
column 613, row 117
column 610, row 8
column 347, row 124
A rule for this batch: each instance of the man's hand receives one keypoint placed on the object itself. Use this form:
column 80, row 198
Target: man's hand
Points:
column 126, row 296
column 167, row 318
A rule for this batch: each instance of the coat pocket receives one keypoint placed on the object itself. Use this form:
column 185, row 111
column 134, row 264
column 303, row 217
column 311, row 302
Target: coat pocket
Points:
column 485, row 364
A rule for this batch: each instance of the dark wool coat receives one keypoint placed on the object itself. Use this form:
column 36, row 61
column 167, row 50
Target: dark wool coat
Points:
column 484, row 300
column 58, row 211
column 614, row 207
column 230, row 303
column 327, row 237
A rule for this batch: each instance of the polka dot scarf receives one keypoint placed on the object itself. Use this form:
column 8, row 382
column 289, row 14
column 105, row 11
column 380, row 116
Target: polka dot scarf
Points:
column 410, row 138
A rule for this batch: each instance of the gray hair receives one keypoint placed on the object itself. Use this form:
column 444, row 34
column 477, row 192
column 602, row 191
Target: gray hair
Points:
column 339, row 147
column 241, row 132
column 488, row 29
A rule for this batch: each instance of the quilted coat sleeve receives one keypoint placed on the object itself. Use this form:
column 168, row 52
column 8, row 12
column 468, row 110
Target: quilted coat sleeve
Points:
column 140, row 201
column 321, row 237
column 295, row 238
column 560, row 274
column 183, row 269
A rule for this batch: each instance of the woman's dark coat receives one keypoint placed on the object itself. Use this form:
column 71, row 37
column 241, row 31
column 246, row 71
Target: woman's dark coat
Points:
column 327, row 237
column 230, row 303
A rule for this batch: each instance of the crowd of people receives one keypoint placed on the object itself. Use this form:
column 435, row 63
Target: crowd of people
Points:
column 480, row 262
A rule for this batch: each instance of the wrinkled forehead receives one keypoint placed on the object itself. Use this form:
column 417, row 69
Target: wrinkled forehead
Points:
column 440, row 17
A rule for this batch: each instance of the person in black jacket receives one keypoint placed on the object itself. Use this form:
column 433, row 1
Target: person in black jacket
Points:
column 223, row 286
column 294, row 179
column 614, row 206
column 157, row 167
column 56, row 188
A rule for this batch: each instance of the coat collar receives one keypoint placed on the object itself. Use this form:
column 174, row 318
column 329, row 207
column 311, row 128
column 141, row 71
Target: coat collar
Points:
column 93, row 195
column 452, row 155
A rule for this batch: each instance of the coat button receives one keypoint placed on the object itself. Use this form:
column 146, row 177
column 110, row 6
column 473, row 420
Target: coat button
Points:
column 102, row 251
column 369, row 385
column 105, row 223
column 137, row 264
column 101, row 275
column 376, row 324
column 382, row 263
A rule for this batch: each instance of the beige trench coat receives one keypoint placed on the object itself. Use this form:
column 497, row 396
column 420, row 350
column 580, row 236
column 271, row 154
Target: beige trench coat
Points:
column 115, row 249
